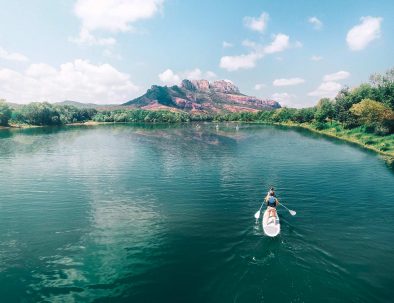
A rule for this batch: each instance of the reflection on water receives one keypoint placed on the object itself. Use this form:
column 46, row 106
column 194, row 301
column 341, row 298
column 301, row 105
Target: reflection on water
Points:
column 165, row 212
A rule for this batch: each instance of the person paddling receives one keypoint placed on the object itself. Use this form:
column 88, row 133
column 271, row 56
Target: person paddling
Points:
column 272, row 202
column 272, row 190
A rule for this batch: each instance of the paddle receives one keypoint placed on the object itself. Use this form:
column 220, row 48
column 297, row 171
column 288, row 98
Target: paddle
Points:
column 292, row 212
column 257, row 214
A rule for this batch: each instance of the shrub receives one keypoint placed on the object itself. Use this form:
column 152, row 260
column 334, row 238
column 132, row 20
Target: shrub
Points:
column 5, row 113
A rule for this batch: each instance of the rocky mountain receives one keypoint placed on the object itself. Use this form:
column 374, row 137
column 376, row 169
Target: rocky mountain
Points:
column 200, row 96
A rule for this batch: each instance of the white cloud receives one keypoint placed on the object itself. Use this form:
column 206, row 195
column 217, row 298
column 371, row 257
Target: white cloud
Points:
column 280, row 43
column 197, row 74
column 336, row 76
column 285, row 99
column 78, row 80
column 364, row 33
column 288, row 82
column 85, row 37
column 316, row 58
column 317, row 24
column 40, row 71
column 194, row 74
column 232, row 63
column 259, row 86
column 111, row 15
column 4, row 54
column 330, row 87
column 226, row 44
column 169, row 77
column 245, row 61
column 114, row 15
column 326, row 90
column 257, row 24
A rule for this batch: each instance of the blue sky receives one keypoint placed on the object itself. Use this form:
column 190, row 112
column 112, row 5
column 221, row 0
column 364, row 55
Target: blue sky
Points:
column 110, row 51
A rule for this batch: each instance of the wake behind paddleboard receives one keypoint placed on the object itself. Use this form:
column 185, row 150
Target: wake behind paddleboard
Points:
column 271, row 225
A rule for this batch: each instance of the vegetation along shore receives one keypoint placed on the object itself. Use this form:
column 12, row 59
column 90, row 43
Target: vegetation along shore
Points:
column 363, row 115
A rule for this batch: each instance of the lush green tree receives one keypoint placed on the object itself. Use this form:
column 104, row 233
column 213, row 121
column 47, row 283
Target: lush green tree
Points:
column 5, row 113
column 342, row 104
column 374, row 115
column 38, row 113
column 304, row 115
column 73, row 114
column 265, row 116
column 324, row 110
column 283, row 114
column 383, row 86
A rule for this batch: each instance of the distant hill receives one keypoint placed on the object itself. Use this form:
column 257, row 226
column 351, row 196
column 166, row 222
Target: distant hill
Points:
column 200, row 96
column 14, row 105
column 78, row 104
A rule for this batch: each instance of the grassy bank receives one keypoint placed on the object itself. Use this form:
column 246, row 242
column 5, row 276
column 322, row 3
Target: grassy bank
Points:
column 383, row 145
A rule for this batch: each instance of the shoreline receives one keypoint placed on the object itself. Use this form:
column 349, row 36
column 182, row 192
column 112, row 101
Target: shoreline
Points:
column 331, row 135
column 388, row 156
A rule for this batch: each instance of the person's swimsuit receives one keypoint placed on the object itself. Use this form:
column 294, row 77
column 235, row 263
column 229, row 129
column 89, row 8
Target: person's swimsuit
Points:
column 271, row 202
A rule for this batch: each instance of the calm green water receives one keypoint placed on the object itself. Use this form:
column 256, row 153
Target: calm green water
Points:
column 129, row 213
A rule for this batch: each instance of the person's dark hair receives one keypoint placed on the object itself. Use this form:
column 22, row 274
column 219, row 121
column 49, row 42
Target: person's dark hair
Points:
column 272, row 193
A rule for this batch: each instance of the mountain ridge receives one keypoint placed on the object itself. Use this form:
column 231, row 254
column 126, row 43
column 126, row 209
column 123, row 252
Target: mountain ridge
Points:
column 201, row 96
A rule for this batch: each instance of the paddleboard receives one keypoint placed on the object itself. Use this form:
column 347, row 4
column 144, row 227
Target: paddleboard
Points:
column 271, row 225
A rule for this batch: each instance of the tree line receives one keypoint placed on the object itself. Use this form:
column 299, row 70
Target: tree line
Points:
column 44, row 113
column 369, row 106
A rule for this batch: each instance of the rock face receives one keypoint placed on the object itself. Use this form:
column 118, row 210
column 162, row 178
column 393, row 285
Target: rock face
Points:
column 201, row 96
column 225, row 87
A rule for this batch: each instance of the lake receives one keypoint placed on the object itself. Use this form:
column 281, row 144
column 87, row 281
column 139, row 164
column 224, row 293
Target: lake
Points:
column 164, row 213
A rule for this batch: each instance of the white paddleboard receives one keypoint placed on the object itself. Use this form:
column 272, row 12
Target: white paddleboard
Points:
column 271, row 225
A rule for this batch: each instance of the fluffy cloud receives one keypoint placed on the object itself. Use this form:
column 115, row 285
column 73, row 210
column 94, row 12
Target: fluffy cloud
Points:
column 197, row 74
column 330, row 87
column 85, row 37
column 317, row 24
column 232, row 63
column 326, row 90
column 288, row 82
column 336, row 76
column 316, row 58
column 285, row 99
column 364, row 33
column 4, row 54
column 257, row 24
column 169, row 77
column 279, row 44
column 78, row 80
column 114, row 15
column 111, row 15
